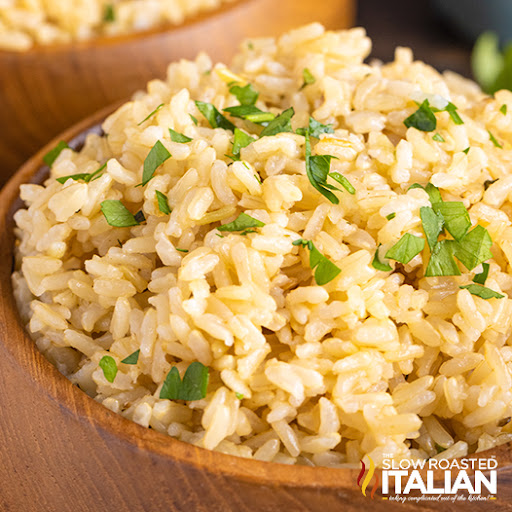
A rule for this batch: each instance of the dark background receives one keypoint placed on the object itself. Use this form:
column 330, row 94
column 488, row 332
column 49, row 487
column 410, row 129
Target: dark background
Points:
column 416, row 24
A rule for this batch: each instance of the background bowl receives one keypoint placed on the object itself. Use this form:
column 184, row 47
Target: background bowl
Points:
column 47, row 89
column 63, row 452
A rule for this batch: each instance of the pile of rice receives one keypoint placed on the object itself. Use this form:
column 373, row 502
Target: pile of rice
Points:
column 24, row 23
column 389, row 364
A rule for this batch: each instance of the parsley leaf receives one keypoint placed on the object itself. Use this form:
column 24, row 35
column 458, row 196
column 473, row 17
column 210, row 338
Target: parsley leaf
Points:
column 151, row 114
column 503, row 109
column 239, row 396
column 282, row 123
column 438, row 137
column 379, row 265
column 156, row 157
column 194, row 119
column 308, row 78
column 433, row 192
column 315, row 129
column 245, row 95
column 109, row 15
column 452, row 110
column 494, row 141
column 466, row 150
column 423, row 119
column 325, row 270
column 482, row 291
column 343, row 182
column 406, row 248
column 87, row 177
column 109, row 367
column 163, row 203
column 391, row 216
column 182, row 250
column 432, row 225
column 250, row 113
column 242, row 223
column 117, row 214
column 241, row 140
column 178, row 137
column 214, row 117
column 474, row 248
column 132, row 358
column 441, row 261
column 193, row 387
column 456, row 218
column 482, row 277
column 53, row 154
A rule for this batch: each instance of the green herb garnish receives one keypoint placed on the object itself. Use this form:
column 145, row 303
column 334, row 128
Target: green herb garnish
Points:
column 109, row 367
column 132, row 358
column 117, row 215
column 178, row 137
column 242, row 223
column 441, row 261
column 379, row 265
column 325, row 270
column 53, row 154
column 406, row 248
column 109, row 16
column 438, row 137
column 423, row 119
column 391, row 216
column 482, row 291
column 156, row 157
column 250, row 113
column 315, row 129
column 503, row 109
column 308, row 78
column 456, row 218
column 433, row 192
column 474, row 248
column 343, row 182
column 214, row 117
column 194, row 119
column 239, row 396
column 182, row 250
column 452, row 110
column 241, row 140
column 149, row 116
column 87, row 177
column 432, row 225
column 245, row 95
column 482, row 277
column 192, row 387
column 163, row 203
column 282, row 123
column 494, row 141
column 466, row 150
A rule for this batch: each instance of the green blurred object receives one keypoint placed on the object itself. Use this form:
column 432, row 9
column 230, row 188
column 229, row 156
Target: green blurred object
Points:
column 492, row 69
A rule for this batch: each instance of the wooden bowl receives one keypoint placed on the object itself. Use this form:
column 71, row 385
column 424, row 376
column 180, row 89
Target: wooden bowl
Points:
column 62, row 451
column 47, row 89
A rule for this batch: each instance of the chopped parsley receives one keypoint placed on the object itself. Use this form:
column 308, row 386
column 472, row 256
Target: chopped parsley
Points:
column 182, row 250
column 150, row 115
column 452, row 110
column 282, row 123
column 156, row 157
column 192, row 387
column 117, row 215
column 466, row 150
column 109, row 367
column 406, row 248
column 391, row 216
column 482, row 277
column 245, row 95
column 482, row 291
column 423, row 119
column 250, row 113
column 503, row 109
column 494, row 141
column 214, row 117
column 325, row 270
column 87, row 177
column 163, row 203
column 343, row 182
column 308, row 78
column 474, row 248
column 379, row 265
column 239, row 396
column 456, row 218
column 438, row 137
column 315, row 129
column 441, row 261
column 132, row 358
column 194, row 119
column 433, row 192
column 488, row 183
column 53, row 154
column 241, row 140
column 179, row 137
column 432, row 225
column 109, row 15
column 244, row 223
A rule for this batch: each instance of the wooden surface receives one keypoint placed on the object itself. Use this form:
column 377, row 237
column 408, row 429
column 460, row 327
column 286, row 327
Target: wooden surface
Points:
column 47, row 89
column 61, row 451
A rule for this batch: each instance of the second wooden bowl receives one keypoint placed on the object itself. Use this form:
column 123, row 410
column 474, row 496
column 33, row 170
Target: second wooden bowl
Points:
column 63, row 452
column 47, row 89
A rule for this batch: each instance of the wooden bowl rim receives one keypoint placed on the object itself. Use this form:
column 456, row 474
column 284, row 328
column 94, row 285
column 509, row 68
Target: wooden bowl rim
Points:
column 51, row 383
column 105, row 41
